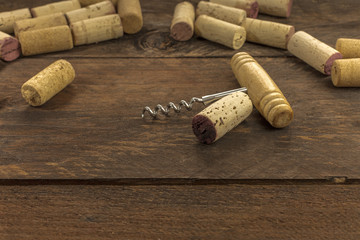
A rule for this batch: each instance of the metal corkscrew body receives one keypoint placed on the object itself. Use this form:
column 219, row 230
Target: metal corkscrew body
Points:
column 205, row 100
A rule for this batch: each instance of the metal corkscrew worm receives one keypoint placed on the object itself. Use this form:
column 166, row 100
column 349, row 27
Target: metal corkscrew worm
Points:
column 205, row 100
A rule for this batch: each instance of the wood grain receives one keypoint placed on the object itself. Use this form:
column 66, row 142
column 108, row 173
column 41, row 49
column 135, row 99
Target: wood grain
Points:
column 180, row 212
column 93, row 128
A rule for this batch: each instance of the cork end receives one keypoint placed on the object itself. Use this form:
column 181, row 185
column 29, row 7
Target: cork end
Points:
column 289, row 7
column 253, row 11
column 204, row 129
column 330, row 61
column 30, row 95
column 335, row 74
column 10, row 49
column 132, row 23
column 281, row 116
column 181, row 31
column 289, row 36
column 239, row 38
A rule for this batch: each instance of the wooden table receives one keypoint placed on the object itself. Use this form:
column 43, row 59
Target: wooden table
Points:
column 86, row 166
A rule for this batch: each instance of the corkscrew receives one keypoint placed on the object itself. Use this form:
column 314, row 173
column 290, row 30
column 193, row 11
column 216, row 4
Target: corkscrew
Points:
column 205, row 100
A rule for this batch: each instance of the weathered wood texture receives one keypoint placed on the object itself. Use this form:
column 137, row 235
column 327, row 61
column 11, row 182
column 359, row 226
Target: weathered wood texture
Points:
column 180, row 212
column 93, row 128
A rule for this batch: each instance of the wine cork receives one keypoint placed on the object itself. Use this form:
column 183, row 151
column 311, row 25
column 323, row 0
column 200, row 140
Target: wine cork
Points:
column 312, row 51
column 182, row 24
column 85, row 3
column 7, row 19
column 9, row 47
column 279, row 8
column 52, row 20
column 47, row 83
column 228, row 14
column 131, row 16
column 92, row 11
column 218, row 31
column 97, row 29
column 56, row 7
column 346, row 72
column 250, row 6
column 264, row 93
column 221, row 117
column 268, row 33
column 45, row 40
column 348, row 47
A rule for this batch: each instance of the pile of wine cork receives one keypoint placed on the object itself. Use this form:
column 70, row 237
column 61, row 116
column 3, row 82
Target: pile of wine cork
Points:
column 62, row 25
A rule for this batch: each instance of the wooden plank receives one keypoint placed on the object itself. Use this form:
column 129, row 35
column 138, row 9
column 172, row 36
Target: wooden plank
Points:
column 326, row 20
column 180, row 212
column 93, row 128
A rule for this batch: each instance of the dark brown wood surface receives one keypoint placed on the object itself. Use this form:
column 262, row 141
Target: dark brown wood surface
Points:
column 279, row 212
column 93, row 128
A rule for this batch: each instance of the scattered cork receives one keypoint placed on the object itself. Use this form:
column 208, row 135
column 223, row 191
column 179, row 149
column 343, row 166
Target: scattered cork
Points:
column 218, row 31
column 279, row 8
column 45, row 40
column 56, row 7
column 92, row 11
column 97, row 29
column 346, row 72
column 264, row 93
column 228, row 14
column 85, row 3
column 9, row 47
column 348, row 47
column 52, row 20
column 268, row 33
column 221, row 117
column 312, row 51
column 250, row 6
column 47, row 83
column 182, row 24
column 131, row 15
column 7, row 19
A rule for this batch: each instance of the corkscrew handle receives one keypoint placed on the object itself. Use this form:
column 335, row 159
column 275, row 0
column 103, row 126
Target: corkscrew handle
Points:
column 206, row 100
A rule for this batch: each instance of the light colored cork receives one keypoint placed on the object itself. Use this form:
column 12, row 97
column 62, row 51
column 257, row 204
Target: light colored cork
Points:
column 45, row 40
column 131, row 15
column 56, row 7
column 9, row 47
column 346, row 72
column 92, row 11
column 279, row 8
column 268, row 33
column 228, row 14
column 264, row 93
column 250, row 6
column 97, row 29
column 348, row 47
column 221, row 117
column 7, row 19
column 182, row 24
column 218, row 31
column 85, row 3
column 52, row 20
column 312, row 51
column 47, row 83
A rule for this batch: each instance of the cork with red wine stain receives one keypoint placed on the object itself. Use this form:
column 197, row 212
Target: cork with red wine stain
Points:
column 250, row 6
column 314, row 52
column 182, row 24
column 221, row 117
column 9, row 47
